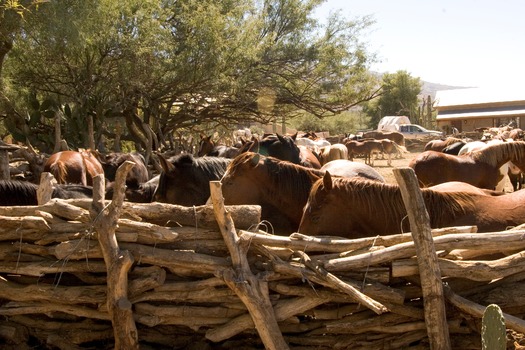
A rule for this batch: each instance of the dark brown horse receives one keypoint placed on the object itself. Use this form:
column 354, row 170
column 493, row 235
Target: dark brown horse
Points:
column 357, row 208
column 72, row 167
column 16, row 193
column 366, row 148
column 282, row 147
column 279, row 187
column 480, row 168
column 136, row 176
column 185, row 180
column 208, row 148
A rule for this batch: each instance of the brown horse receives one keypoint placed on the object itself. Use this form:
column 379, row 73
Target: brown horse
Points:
column 395, row 136
column 439, row 145
column 208, row 148
column 366, row 148
column 71, row 167
column 480, row 168
column 357, row 208
column 280, row 187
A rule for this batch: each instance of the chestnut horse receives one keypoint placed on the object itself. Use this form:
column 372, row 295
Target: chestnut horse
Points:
column 185, row 180
column 279, row 187
column 72, row 167
column 358, row 208
column 480, row 168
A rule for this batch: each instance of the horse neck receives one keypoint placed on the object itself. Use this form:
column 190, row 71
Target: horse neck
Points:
column 289, row 187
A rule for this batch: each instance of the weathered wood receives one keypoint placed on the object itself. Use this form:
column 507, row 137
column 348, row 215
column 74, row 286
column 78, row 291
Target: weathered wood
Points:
column 332, row 280
column 118, row 262
column 477, row 310
column 477, row 270
column 251, row 290
column 45, row 188
column 201, row 216
column 283, row 310
column 496, row 240
column 433, row 297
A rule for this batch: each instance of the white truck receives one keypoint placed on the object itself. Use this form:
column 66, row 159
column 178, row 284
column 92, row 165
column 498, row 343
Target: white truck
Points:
column 403, row 125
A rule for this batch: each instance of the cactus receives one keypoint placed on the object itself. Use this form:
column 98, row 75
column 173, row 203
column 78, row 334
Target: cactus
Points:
column 493, row 333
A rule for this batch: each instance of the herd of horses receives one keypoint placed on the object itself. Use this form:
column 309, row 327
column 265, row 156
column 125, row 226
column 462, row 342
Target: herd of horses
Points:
column 315, row 188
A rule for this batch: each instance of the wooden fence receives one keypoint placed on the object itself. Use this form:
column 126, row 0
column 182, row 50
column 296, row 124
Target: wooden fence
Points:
column 96, row 274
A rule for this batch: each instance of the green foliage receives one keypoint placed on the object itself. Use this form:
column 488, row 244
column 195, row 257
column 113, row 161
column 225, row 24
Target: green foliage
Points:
column 177, row 65
column 399, row 96
column 493, row 331
column 347, row 122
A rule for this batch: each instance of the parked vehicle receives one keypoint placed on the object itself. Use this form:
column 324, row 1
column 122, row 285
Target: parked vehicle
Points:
column 414, row 131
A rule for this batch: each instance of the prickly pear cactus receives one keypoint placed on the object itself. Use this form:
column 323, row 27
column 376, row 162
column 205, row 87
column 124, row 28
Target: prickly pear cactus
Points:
column 493, row 332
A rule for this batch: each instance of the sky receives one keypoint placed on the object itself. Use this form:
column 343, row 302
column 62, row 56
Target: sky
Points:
column 468, row 43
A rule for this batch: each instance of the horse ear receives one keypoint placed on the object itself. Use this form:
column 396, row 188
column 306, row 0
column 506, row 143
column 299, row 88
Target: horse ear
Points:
column 327, row 181
column 281, row 138
column 255, row 160
column 166, row 166
column 294, row 136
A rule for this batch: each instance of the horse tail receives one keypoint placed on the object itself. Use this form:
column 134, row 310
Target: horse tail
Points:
column 59, row 171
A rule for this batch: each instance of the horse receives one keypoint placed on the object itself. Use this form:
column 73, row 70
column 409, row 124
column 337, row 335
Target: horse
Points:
column 480, row 168
column 208, row 148
column 143, row 193
column 365, row 147
column 74, row 167
column 280, row 187
column 185, row 180
column 390, row 147
column 332, row 152
column 353, row 208
column 454, row 148
column 439, row 145
column 19, row 193
column 395, row 136
column 348, row 168
column 136, row 176
column 282, row 147
column 508, row 169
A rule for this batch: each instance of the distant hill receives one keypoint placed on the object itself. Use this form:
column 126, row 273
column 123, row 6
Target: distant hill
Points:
column 429, row 88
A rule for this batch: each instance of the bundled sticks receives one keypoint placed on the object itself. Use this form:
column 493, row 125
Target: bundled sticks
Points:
column 176, row 276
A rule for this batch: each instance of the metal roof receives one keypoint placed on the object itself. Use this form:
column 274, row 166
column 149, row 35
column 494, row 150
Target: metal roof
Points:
column 477, row 96
column 466, row 114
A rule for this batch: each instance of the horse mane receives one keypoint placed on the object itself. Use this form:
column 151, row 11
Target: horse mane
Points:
column 372, row 194
column 17, row 193
column 493, row 154
column 451, row 140
column 286, row 177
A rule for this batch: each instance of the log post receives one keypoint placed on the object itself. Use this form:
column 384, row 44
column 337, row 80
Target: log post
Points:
column 253, row 292
column 4, row 161
column 118, row 262
column 45, row 188
column 431, row 284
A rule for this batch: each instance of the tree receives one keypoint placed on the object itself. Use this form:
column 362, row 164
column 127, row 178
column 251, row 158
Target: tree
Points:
column 399, row 96
column 163, row 67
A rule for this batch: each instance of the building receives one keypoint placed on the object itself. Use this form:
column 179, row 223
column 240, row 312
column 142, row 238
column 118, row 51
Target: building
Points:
column 473, row 109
